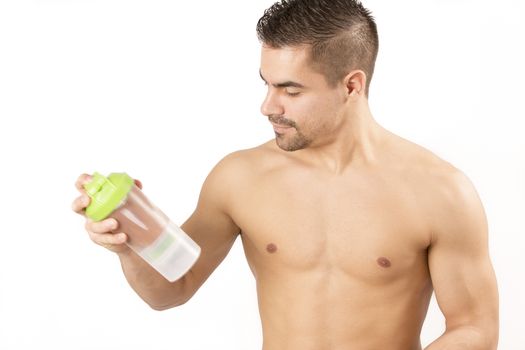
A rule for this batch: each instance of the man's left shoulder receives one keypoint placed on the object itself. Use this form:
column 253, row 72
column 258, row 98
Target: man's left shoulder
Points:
column 433, row 171
column 445, row 179
column 437, row 181
column 451, row 197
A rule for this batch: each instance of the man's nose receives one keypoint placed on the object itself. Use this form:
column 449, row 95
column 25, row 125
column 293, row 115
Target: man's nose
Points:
column 271, row 105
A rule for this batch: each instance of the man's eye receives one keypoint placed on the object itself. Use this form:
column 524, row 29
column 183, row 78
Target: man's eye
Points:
column 293, row 93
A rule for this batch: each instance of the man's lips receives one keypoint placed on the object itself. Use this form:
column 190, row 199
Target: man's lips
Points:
column 280, row 128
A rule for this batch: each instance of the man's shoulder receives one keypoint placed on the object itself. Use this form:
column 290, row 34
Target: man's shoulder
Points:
column 453, row 201
column 246, row 163
column 423, row 163
column 445, row 194
column 443, row 185
column 250, row 158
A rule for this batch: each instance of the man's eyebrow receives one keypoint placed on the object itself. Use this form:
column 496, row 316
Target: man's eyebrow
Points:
column 284, row 84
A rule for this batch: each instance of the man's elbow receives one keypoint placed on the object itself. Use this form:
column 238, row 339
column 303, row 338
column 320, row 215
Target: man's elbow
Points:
column 489, row 333
column 488, row 340
column 174, row 297
column 478, row 337
column 491, row 338
column 162, row 307
column 168, row 301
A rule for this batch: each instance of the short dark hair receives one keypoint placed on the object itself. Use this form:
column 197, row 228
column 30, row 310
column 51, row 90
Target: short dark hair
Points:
column 341, row 34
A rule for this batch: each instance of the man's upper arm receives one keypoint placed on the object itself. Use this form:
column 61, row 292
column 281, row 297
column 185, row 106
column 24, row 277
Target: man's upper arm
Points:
column 459, row 262
column 211, row 225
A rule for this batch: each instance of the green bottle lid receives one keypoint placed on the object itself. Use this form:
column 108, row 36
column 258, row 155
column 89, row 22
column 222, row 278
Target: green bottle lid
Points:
column 106, row 194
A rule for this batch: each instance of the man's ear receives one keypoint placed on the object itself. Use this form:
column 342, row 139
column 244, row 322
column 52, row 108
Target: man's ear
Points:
column 355, row 83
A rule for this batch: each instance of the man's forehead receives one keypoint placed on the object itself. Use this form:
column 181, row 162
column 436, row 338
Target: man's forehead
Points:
column 287, row 54
column 286, row 63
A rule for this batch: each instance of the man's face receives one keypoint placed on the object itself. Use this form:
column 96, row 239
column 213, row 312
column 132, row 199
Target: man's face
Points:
column 303, row 109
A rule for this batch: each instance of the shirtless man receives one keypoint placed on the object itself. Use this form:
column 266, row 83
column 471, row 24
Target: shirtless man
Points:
column 347, row 228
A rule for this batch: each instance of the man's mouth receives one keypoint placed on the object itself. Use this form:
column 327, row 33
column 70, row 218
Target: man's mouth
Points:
column 280, row 128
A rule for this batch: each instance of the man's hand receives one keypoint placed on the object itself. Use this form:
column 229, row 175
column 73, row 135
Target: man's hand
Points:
column 104, row 233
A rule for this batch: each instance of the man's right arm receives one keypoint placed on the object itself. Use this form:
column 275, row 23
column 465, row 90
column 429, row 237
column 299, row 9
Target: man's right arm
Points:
column 210, row 226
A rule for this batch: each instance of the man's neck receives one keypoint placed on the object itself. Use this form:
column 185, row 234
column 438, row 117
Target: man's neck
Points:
column 358, row 141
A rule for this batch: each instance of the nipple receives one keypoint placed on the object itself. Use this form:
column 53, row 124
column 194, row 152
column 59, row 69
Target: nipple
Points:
column 271, row 248
column 384, row 262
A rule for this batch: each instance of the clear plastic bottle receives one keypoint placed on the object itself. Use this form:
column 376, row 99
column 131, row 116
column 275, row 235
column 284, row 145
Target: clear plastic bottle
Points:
column 151, row 234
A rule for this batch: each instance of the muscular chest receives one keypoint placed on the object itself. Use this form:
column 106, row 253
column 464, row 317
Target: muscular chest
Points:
column 364, row 227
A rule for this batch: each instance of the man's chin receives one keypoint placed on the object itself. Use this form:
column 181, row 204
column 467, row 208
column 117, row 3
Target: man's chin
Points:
column 288, row 146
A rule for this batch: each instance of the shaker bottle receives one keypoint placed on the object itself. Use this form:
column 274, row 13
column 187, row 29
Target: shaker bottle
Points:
column 150, row 232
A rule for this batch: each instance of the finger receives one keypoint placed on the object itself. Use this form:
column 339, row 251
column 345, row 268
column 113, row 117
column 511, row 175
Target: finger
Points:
column 104, row 226
column 80, row 204
column 81, row 181
column 108, row 239
column 138, row 183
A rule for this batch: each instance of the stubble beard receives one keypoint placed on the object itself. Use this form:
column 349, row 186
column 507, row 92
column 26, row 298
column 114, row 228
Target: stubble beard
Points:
column 292, row 143
column 289, row 143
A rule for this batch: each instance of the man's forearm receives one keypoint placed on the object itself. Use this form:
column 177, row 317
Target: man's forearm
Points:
column 151, row 286
column 465, row 338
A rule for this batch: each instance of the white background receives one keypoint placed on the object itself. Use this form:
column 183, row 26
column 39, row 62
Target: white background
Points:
column 163, row 90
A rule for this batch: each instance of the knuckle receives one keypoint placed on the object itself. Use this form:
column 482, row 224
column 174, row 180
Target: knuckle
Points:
column 91, row 226
column 81, row 180
column 78, row 182
column 93, row 237
column 98, row 238
column 77, row 204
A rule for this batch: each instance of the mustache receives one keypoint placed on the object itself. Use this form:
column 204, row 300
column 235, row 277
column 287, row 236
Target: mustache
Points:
column 280, row 120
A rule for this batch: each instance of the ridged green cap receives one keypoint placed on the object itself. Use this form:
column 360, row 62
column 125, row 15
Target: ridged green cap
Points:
column 106, row 194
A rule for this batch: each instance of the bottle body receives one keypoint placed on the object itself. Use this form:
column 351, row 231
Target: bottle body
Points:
column 153, row 236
